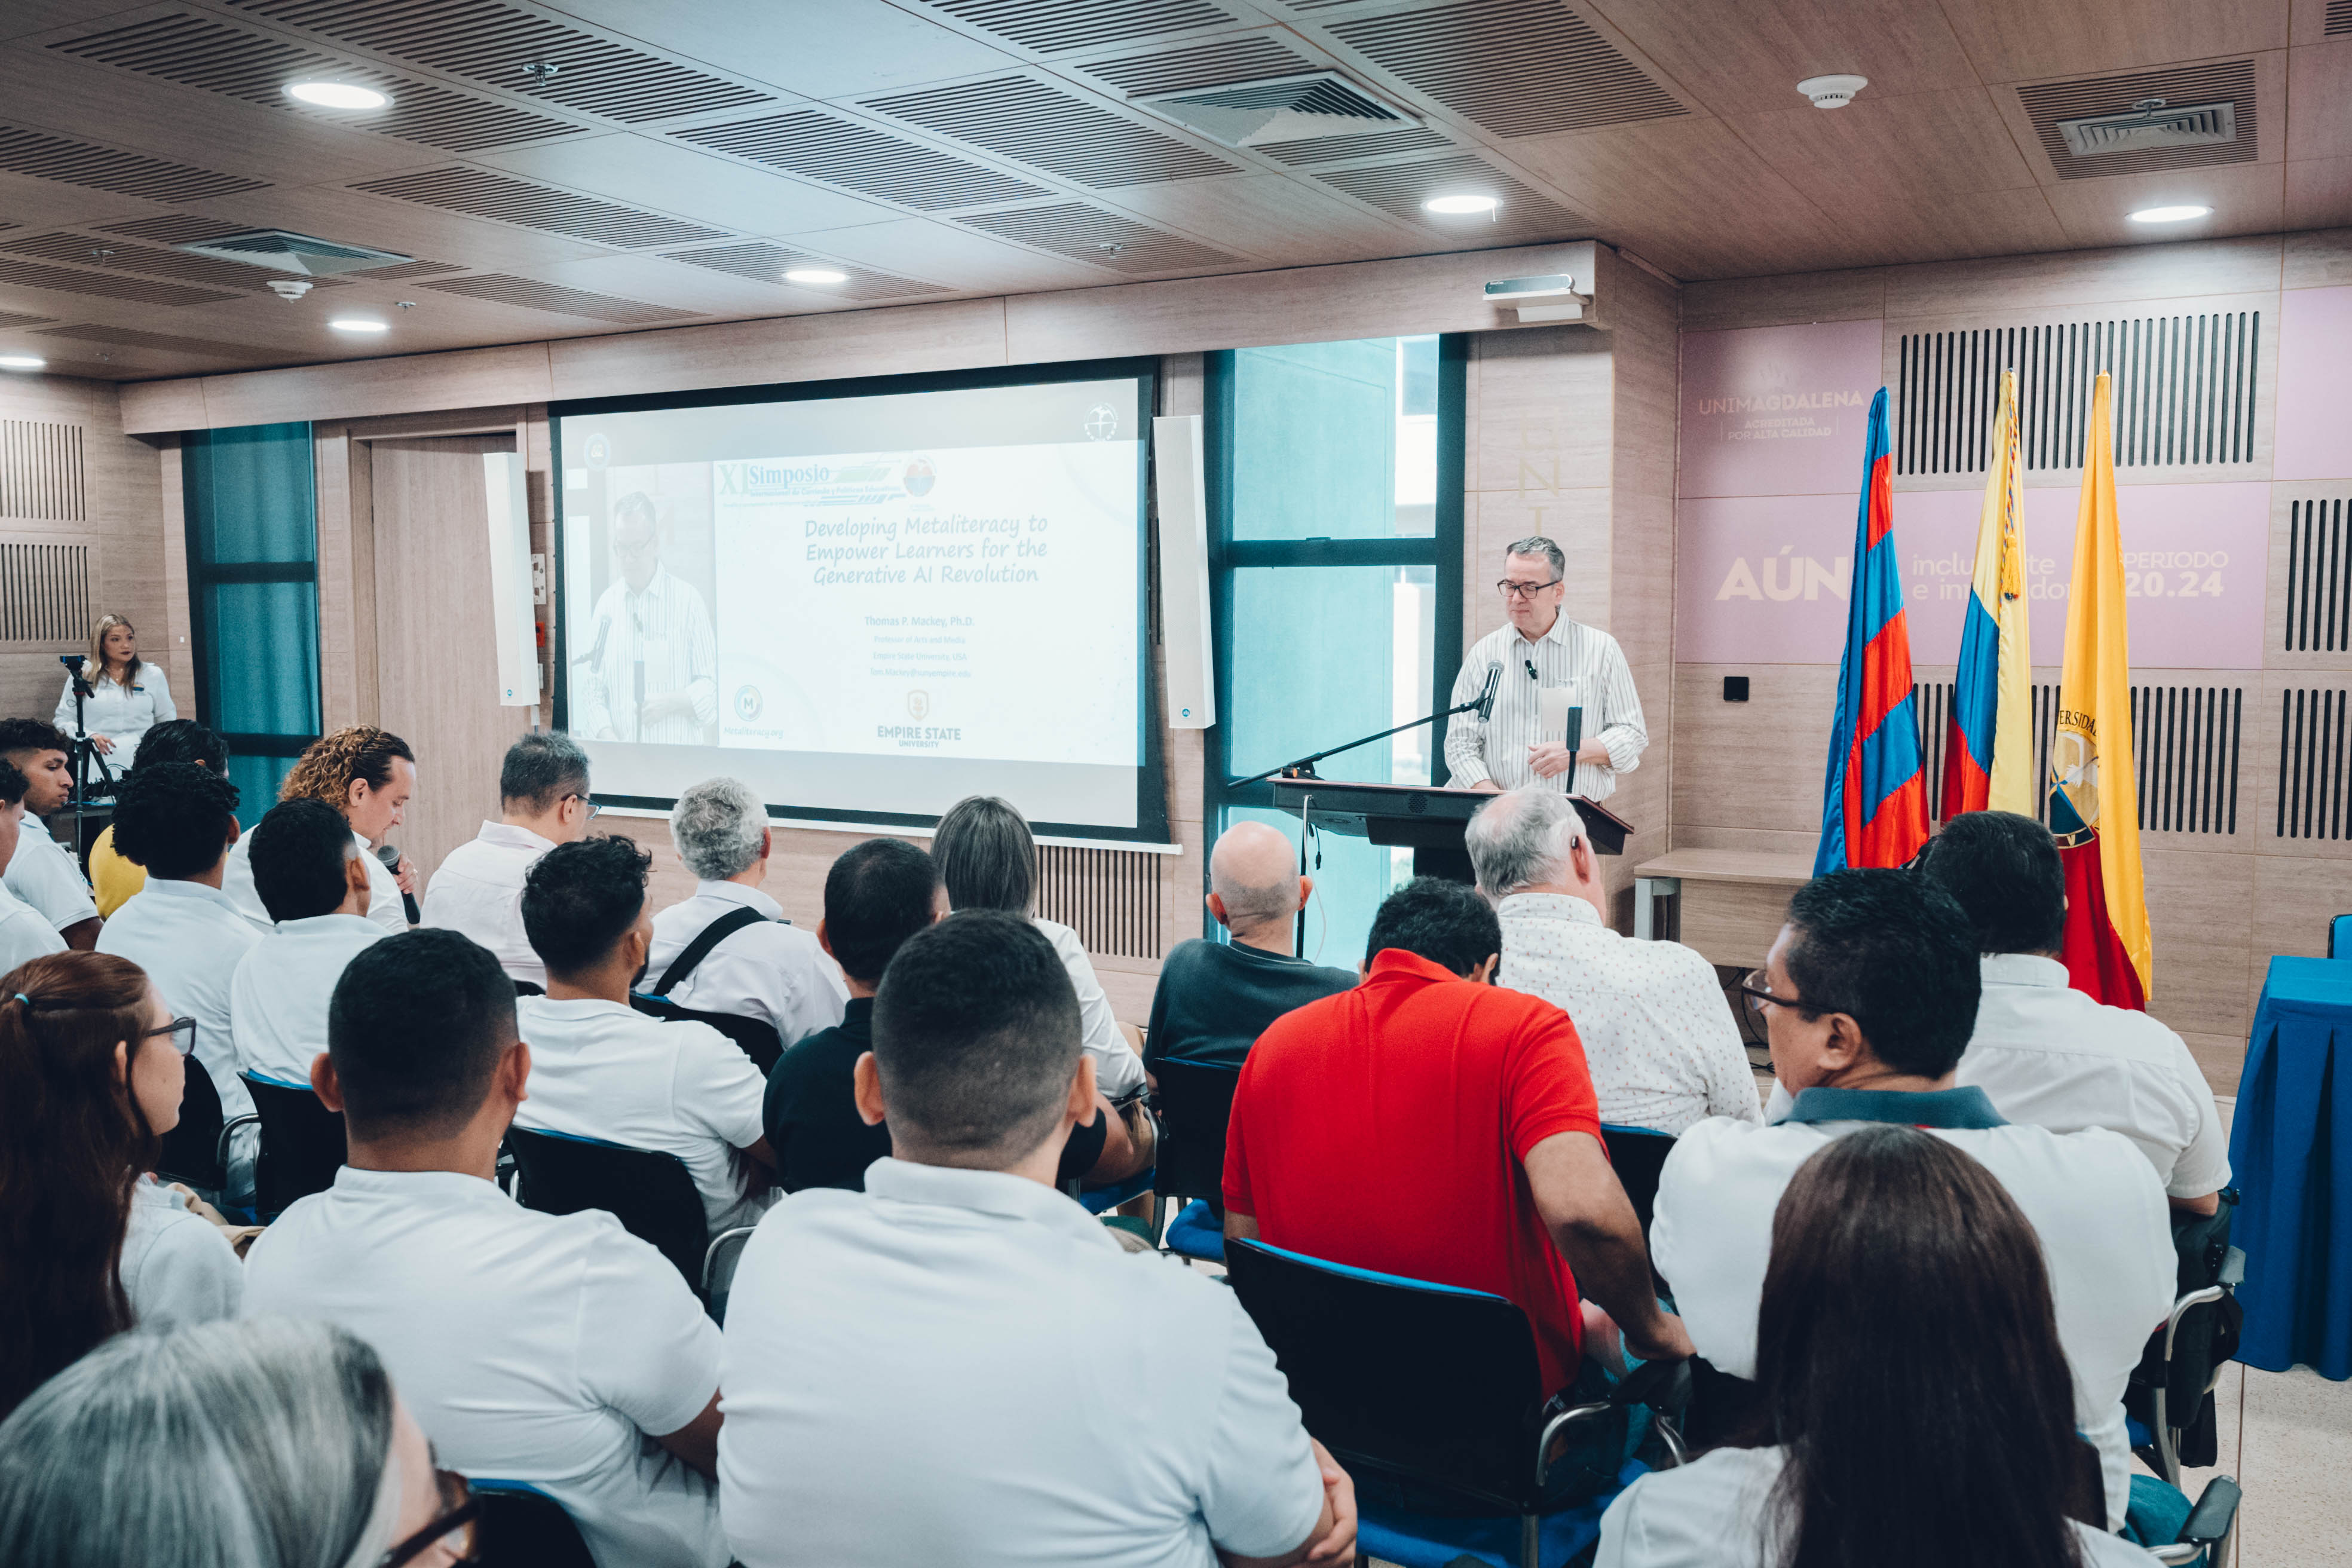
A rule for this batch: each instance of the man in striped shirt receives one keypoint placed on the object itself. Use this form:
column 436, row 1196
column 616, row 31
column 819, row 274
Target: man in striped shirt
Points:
column 1543, row 649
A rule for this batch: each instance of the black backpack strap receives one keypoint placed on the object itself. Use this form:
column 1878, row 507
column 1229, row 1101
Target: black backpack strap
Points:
column 698, row 950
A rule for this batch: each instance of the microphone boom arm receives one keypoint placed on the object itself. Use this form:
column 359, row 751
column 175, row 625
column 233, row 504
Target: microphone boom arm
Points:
column 1303, row 767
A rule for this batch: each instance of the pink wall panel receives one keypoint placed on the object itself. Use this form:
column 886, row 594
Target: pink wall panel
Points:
column 1777, row 411
column 2315, row 385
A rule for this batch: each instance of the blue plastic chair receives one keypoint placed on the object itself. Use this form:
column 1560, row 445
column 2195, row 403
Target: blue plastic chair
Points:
column 2339, row 937
column 1195, row 1102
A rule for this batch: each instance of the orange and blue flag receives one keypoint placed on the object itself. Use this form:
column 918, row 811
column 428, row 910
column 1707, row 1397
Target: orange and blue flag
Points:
column 1875, row 800
column 1989, row 751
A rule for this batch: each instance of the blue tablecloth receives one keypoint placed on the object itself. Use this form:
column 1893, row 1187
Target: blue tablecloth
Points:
column 2290, row 1150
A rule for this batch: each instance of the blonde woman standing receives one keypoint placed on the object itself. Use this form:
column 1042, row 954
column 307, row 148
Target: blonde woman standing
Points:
column 128, row 695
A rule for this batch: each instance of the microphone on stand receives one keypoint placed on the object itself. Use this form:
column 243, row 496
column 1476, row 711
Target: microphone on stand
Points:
column 1487, row 692
column 391, row 858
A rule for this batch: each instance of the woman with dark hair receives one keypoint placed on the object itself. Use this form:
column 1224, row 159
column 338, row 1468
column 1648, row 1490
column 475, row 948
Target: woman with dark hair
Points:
column 1916, row 1408
column 91, row 1069
column 264, row 1444
column 368, row 774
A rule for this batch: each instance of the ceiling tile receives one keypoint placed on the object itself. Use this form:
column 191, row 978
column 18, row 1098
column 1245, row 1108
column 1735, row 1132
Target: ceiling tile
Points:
column 1057, row 27
column 953, row 254
column 1890, row 149
column 1020, row 118
column 1516, row 67
column 2025, row 40
column 836, row 48
column 2246, row 198
column 481, row 193
column 1267, row 219
column 533, row 294
column 2319, row 102
column 823, row 146
column 1087, row 233
column 662, row 176
column 759, row 261
column 2319, row 193
column 1736, row 56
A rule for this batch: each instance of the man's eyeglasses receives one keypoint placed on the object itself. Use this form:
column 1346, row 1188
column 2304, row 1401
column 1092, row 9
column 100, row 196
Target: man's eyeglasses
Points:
column 1510, row 590
column 1757, row 988
column 595, row 811
column 183, row 1032
column 452, row 1528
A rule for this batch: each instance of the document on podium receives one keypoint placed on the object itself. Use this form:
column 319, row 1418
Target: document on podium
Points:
column 1553, row 704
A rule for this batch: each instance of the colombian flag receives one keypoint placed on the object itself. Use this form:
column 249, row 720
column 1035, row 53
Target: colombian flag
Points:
column 1874, row 801
column 1989, row 754
column 2094, row 794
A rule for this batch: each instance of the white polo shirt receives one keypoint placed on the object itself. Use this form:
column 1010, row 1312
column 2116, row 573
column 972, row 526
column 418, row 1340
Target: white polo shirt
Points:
column 477, row 889
column 1717, row 1513
column 1657, row 1035
column 964, row 1366
column 772, row 971
column 1117, row 1069
column 384, row 906
column 279, row 996
column 177, row 1267
column 190, row 938
column 25, row 932
column 44, row 874
column 531, row 1347
column 2100, row 1215
column 599, row 1069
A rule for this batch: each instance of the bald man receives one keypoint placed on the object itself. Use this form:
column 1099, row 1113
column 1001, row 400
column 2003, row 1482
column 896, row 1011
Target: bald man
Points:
column 1216, row 997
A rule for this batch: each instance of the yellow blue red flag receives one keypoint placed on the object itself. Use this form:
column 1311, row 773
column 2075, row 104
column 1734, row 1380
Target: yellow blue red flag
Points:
column 1988, row 754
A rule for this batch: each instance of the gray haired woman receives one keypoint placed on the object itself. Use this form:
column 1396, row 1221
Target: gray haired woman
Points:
column 265, row 1443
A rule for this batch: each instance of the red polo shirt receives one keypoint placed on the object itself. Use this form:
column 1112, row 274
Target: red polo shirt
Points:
column 1384, row 1128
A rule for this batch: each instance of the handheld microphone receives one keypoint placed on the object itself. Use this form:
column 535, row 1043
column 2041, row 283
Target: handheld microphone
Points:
column 391, row 858
column 1487, row 692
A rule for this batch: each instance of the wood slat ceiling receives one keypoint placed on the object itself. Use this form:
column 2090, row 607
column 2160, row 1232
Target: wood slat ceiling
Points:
column 591, row 165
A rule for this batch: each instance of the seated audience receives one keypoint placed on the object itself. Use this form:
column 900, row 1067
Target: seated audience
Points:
column 40, row 871
column 90, row 1076
column 768, row 969
column 263, row 1444
column 601, row 1069
column 112, row 878
column 904, row 1366
column 368, row 777
column 876, row 897
column 2045, row 1053
column 988, row 860
column 477, row 887
column 1388, row 1128
column 1921, row 1418
column 1869, row 994
column 1662, row 1047
column 178, row 821
column 312, row 878
column 533, row 1347
column 1214, row 998
column 25, row 931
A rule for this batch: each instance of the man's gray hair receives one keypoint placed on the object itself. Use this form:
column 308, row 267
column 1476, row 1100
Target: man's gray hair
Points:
column 1536, row 544
column 541, row 769
column 254, row 1443
column 716, row 825
column 1522, row 837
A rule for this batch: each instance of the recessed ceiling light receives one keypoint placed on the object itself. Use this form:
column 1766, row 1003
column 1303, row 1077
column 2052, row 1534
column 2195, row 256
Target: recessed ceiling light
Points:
column 336, row 95
column 21, row 361
column 355, row 325
column 2169, row 215
column 1457, row 205
column 814, row 275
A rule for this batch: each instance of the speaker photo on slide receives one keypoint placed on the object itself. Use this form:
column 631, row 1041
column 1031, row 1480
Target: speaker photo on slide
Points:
column 648, row 668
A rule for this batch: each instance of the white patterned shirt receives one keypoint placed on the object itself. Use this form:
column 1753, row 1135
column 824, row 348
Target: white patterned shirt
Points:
column 655, row 642
column 1658, row 1037
column 1571, row 654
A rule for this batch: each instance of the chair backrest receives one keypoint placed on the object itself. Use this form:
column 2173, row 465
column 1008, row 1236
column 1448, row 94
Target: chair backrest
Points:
column 1638, row 1154
column 191, row 1150
column 522, row 1527
column 651, row 1194
column 756, row 1039
column 303, row 1143
column 1429, row 1383
column 2339, row 937
column 1195, row 1102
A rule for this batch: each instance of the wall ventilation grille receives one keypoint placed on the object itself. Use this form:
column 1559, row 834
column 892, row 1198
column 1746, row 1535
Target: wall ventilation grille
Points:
column 501, row 289
column 1247, row 113
column 2318, row 577
column 2315, row 783
column 45, row 594
column 1106, row 239
column 490, row 43
column 764, row 263
column 175, row 228
column 2229, row 84
column 2186, row 747
column 162, row 342
column 2339, row 18
column 1337, row 148
column 1519, row 67
column 1398, row 189
column 1017, row 118
column 40, row 472
column 202, row 54
column 2184, row 392
column 122, row 257
column 1219, row 64
column 2105, row 136
column 36, row 275
column 1109, row 897
column 105, row 169
column 867, row 161
column 283, row 250
column 485, row 195
column 1051, row 26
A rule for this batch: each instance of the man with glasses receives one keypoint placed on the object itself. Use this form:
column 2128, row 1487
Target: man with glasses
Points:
column 542, row 802
column 651, row 671
column 1541, row 649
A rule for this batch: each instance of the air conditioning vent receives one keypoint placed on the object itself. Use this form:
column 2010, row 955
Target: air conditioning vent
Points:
column 2201, row 125
column 281, row 250
column 1284, row 109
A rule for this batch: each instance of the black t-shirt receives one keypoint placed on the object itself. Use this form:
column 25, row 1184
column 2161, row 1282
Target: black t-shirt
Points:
column 1214, row 999
column 810, row 1110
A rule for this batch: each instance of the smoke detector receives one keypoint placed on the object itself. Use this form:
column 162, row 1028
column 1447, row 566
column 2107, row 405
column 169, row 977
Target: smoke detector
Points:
column 1281, row 109
column 1832, row 92
column 2152, row 123
column 289, row 287
column 281, row 250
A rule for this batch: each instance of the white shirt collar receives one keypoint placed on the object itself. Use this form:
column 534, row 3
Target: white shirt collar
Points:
column 1558, row 633
column 993, row 1193
column 174, row 888
column 2023, row 969
column 446, row 1187
column 570, row 1009
column 1549, row 906
column 508, row 835
column 737, row 893
column 327, row 925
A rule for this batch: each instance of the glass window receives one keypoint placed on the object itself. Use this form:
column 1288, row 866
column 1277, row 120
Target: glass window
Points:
column 1323, row 654
column 264, row 638
column 1335, row 440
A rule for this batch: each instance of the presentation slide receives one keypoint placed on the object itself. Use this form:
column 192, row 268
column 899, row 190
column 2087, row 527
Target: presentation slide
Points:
column 867, row 606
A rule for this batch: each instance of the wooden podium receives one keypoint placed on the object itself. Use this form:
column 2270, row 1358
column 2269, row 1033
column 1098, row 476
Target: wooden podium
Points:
column 1420, row 818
